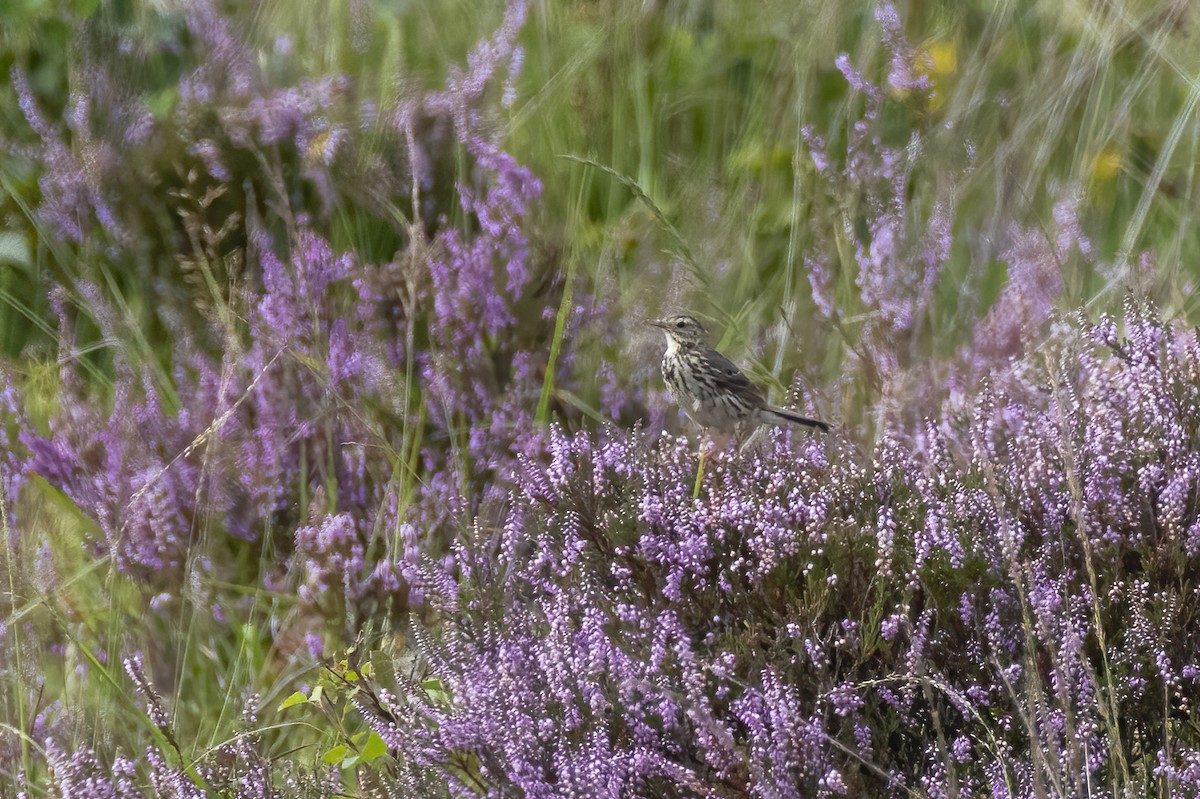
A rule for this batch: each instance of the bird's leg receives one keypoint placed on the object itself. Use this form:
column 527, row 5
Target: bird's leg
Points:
column 704, row 440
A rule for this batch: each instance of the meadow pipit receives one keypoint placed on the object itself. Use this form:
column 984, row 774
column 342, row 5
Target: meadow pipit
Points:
column 711, row 390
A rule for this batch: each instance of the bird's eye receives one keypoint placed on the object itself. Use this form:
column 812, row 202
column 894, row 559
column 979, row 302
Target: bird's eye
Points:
column 681, row 324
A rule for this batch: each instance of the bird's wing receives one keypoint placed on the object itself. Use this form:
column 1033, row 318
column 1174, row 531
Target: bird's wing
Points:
column 730, row 378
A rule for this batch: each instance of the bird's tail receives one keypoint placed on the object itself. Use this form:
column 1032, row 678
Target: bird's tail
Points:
column 795, row 417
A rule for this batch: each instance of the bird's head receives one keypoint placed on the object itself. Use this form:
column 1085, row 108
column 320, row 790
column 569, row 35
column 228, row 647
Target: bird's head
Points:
column 682, row 330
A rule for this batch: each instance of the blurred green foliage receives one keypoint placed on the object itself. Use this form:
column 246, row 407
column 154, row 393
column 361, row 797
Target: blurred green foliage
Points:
column 701, row 104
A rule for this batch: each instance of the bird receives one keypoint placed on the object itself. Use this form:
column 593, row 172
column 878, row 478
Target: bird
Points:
column 710, row 388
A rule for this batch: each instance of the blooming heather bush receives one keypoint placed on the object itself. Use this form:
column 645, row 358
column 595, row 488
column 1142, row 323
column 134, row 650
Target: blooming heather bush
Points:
column 961, row 614
column 301, row 419
column 316, row 423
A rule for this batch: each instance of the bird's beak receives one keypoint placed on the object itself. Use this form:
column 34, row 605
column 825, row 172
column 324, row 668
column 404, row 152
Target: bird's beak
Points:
column 657, row 323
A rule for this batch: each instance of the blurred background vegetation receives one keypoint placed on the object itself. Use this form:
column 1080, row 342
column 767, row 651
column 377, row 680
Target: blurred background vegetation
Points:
column 701, row 104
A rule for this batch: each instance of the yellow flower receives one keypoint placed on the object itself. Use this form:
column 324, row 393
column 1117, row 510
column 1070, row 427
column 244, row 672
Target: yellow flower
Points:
column 936, row 60
column 1107, row 164
column 316, row 151
column 943, row 58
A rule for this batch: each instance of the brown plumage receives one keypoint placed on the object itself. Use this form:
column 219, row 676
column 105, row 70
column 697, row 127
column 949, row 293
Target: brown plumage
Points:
column 710, row 388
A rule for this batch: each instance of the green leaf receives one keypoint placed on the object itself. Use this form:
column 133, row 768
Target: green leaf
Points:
column 337, row 754
column 14, row 248
column 161, row 104
column 375, row 748
column 436, row 691
column 298, row 698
